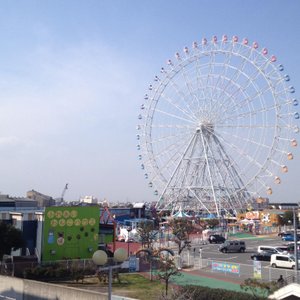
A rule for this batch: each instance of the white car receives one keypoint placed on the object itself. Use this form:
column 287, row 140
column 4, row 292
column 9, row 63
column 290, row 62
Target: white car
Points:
column 283, row 261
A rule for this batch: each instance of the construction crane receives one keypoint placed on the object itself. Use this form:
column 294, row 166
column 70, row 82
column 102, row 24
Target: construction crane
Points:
column 63, row 192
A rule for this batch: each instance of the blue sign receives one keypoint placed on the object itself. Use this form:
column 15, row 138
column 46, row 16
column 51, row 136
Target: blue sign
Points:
column 132, row 263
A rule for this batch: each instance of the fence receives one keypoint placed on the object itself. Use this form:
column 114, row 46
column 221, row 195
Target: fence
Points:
column 190, row 259
column 29, row 269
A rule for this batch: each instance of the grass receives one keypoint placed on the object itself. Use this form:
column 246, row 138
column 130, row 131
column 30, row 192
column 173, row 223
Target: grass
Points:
column 136, row 286
column 131, row 285
column 139, row 287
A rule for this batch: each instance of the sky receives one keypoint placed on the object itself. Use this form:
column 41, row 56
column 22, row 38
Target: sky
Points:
column 73, row 75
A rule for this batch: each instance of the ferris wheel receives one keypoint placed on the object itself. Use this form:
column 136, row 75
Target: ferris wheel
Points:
column 217, row 126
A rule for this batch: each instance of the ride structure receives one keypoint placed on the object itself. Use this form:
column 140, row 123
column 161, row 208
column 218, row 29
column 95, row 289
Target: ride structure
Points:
column 216, row 127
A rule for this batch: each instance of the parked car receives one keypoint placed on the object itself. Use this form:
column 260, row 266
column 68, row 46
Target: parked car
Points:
column 233, row 246
column 273, row 249
column 289, row 237
column 265, row 256
column 282, row 233
column 283, row 261
column 291, row 247
column 216, row 238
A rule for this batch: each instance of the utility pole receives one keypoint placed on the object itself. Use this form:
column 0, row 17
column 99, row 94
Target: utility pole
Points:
column 295, row 245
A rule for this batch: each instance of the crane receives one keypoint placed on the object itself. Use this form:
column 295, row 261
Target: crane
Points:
column 63, row 192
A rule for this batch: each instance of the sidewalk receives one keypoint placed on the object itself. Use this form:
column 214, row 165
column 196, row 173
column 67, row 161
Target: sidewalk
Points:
column 245, row 235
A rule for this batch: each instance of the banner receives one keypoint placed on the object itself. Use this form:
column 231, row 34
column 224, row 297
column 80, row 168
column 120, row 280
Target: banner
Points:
column 257, row 269
column 226, row 267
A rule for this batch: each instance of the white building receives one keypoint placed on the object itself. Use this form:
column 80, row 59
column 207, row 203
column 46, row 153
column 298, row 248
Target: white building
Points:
column 89, row 199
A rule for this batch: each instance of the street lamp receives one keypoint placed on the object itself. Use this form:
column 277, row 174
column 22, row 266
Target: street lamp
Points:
column 128, row 230
column 295, row 244
column 100, row 259
column 200, row 257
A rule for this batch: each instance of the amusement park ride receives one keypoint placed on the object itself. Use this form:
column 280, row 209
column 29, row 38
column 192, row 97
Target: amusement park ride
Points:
column 216, row 127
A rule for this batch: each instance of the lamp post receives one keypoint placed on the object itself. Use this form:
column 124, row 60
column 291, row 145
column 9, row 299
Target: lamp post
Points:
column 200, row 256
column 100, row 259
column 128, row 230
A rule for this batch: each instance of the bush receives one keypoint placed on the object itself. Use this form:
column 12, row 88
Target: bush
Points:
column 57, row 272
column 205, row 293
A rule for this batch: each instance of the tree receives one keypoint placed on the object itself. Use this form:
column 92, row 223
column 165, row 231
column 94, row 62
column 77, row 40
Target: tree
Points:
column 147, row 234
column 288, row 218
column 167, row 269
column 11, row 238
column 181, row 229
column 212, row 222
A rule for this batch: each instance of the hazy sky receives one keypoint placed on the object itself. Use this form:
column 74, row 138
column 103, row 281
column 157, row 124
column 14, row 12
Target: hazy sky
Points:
column 73, row 75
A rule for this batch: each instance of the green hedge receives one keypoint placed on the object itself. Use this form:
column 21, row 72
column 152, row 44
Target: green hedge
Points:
column 56, row 272
column 205, row 293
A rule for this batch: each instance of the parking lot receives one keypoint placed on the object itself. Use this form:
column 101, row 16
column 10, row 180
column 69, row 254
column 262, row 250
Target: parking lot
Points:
column 209, row 253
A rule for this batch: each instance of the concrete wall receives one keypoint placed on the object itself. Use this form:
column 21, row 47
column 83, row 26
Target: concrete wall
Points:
column 23, row 289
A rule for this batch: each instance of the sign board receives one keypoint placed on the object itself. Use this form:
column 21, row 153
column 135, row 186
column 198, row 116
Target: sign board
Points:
column 225, row 267
column 70, row 232
column 257, row 269
column 132, row 263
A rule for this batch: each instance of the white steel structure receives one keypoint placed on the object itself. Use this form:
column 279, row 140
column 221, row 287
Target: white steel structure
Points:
column 216, row 127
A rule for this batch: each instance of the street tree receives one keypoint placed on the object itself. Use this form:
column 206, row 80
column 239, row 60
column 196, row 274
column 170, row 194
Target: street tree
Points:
column 11, row 239
column 166, row 268
column 147, row 234
column 181, row 229
column 212, row 223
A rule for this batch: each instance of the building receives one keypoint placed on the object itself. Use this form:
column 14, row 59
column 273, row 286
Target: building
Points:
column 16, row 203
column 89, row 200
column 41, row 199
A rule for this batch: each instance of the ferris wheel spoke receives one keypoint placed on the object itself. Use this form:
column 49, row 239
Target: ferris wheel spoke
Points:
column 168, row 137
column 250, row 100
column 175, row 87
column 188, row 83
column 240, row 152
column 186, row 113
column 222, row 75
column 171, row 161
column 250, row 80
column 231, row 126
column 251, row 141
column 237, row 74
column 173, row 116
column 199, row 80
column 171, row 126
